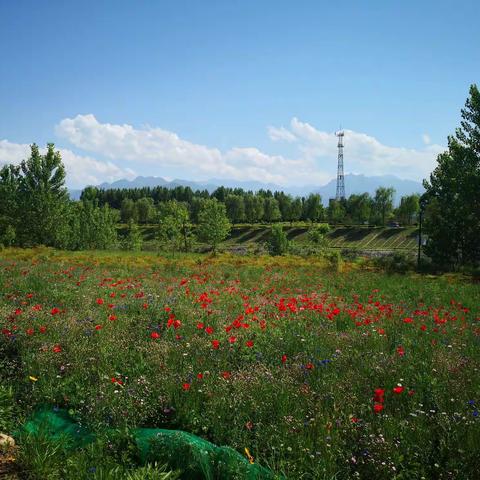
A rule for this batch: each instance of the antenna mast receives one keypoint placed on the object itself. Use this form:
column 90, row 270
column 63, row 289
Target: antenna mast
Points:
column 340, row 177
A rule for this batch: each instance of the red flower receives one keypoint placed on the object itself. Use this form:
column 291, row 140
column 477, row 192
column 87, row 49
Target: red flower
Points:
column 379, row 395
column 284, row 359
column 309, row 366
column 186, row 387
column 112, row 318
column 29, row 331
column 215, row 344
column 226, row 375
column 42, row 329
column 232, row 339
column 54, row 311
column 99, row 301
column 423, row 328
column 98, row 327
column 57, row 349
column 199, row 376
column 401, row 351
column 249, row 344
column 200, row 326
column 209, row 330
column 398, row 389
column 378, row 407
column 154, row 335
column 408, row 320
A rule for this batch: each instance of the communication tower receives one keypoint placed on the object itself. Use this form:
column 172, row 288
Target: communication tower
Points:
column 340, row 177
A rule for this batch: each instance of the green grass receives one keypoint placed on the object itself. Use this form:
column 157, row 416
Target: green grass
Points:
column 295, row 385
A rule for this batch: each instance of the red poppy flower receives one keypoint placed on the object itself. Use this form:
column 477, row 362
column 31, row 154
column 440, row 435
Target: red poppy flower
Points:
column 99, row 301
column 284, row 358
column 398, row 389
column 200, row 326
column 98, row 327
column 215, row 344
column 226, row 375
column 378, row 407
column 249, row 344
column 209, row 330
column 29, row 331
column 199, row 376
column 379, row 395
column 42, row 329
column 401, row 351
column 55, row 311
column 408, row 320
column 232, row 339
column 154, row 335
column 57, row 348
column 186, row 387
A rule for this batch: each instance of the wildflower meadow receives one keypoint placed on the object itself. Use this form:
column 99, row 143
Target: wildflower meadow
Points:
column 304, row 370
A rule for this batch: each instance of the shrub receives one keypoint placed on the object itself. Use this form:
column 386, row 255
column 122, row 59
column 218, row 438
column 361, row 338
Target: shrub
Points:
column 278, row 242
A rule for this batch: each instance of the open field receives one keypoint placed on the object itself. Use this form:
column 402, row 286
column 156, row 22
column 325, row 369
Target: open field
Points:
column 320, row 374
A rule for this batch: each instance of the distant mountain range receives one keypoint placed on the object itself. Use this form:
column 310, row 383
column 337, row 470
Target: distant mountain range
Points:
column 353, row 184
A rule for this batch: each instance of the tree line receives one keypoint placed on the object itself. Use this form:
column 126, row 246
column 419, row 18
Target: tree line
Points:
column 144, row 205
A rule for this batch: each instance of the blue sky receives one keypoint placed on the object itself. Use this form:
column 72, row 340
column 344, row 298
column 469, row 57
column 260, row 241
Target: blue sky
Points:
column 235, row 89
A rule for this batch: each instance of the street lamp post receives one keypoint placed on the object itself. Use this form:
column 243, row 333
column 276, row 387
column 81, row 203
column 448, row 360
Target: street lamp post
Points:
column 420, row 218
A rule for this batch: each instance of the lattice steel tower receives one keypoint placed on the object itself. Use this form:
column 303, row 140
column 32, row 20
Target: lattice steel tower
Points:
column 340, row 177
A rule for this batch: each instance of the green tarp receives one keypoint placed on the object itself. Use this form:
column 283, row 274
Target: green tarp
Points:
column 194, row 456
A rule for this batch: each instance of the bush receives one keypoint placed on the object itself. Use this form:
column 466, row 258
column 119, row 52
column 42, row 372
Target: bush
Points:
column 316, row 233
column 278, row 242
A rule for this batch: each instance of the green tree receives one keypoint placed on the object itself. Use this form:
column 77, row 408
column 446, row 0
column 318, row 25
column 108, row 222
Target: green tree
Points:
column 271, row 210
column 313, row 208
column 133, row 240
column 383, row 204
column 336, row 211
column 42, row 198
column 452, row 194
column 235, row 206
column 296, row 210
column 408, row 209
column 213, row 223
column 93, row 227
column 174, row 227
column 359, row 208
column 316, row 233
column 128, row 210
column 278, row 242
column 145, row 209
column 9, row 203
column 254, row 210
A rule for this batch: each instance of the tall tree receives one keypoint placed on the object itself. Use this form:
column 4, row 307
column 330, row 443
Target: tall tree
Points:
column 271, row 210
column 174, row 226
column 453, row 194
column 383, row 203
column 408, row 209
column 313, row 208
column 213, row 223
column 43, row 198
column 235, row 208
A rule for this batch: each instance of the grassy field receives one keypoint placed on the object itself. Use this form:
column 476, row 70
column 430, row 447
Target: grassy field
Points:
column 319, row 374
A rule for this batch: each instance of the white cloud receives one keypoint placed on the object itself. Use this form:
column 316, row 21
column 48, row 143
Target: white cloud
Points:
column 81, row 170
column 281, row 134
column 364, row 153
column 426, row 139
column 149, row 147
